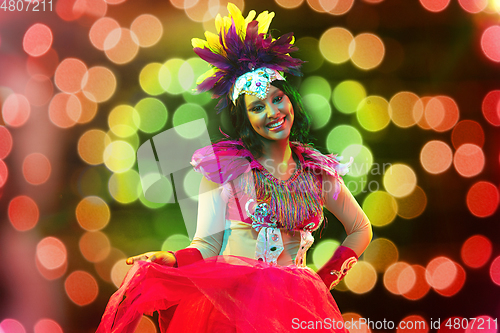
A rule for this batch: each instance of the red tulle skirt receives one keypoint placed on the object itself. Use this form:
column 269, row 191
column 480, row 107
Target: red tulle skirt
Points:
column 223, row 294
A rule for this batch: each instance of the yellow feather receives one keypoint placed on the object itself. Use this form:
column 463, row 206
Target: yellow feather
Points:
column 265, row 19
column 218, row 23
column 206, row 75
column 250, row 17
column 239, row 21
column 197, row 42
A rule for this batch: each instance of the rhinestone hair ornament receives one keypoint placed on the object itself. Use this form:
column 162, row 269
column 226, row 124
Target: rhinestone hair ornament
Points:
column 245, row 59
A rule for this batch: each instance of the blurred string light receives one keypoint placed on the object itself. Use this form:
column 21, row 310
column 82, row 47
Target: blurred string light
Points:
column 98, row 84
column 381, row 253
column 323, row 251
column 318, row 108
column 373, row 113
column 490, row 43
column 175, row 242
column 205, row 10
column 482, row 199
column 441, row 113
column 347, row 95
column 435, row 5
column 69, row 75
column 4, row 173
column 124, row 187
column 380, row 207
column 361, row 278
column 92, row 213
column 91, row 146
column 51, row 253
column 182, row 4
column 186, row 113
column 45, row 64
column 115, row 2
column 65, row 110
column 51, row 274
column 356, row 185
column 174, row 74
column 334, row 45
column 11, row 325
column 100, row 31
column 413, row 205
column 342, row 136
column 436, row 157
column 16, row 110
column 445, row 276
column 422, row 123
column 88, row 108
column 150, row 116
column 119, row 156
column 23, row 213
column 366, row 51
column 476, row 251
column 315, row 85
column 356, row 318
column 39, row 90
column 149, row 79
column 334, row 7
column 289, row 4
column 469, row 160
column 418, row 286
column 121, row 46
column 467, row 131
column 36, row 168
column 118, row 272
column 95, row 246
column 81, row 287
column 46, row 325
column 400, row 180
column 37, row 40
column 146, row 325
column 405, row 109
column 5, row 142
column 123, row 120
column 473, row 6
column 495, row 271
column 391, row 276
column 104, row 267
column 363, row 160
column 148, row 29
column 491, row 107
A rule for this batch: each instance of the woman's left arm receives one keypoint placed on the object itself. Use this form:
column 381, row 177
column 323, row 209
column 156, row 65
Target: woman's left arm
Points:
column 356, row 225
column 349, row 213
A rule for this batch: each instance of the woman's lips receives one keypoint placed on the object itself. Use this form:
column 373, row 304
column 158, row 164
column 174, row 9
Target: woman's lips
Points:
column 282, row 121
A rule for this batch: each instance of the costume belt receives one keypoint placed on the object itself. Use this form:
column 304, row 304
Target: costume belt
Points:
column 269, row 243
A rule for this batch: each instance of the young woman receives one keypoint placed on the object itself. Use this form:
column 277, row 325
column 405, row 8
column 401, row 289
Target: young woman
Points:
column 261, row 197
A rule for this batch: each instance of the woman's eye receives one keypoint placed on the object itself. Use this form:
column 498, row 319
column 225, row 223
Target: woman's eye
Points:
column 278, row 99
column 257, row 108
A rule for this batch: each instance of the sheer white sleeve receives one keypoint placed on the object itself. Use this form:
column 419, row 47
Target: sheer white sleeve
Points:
column 349, row 213
column 211, row 221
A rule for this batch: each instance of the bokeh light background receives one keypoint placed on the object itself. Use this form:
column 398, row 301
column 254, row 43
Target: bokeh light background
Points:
column 409, row 89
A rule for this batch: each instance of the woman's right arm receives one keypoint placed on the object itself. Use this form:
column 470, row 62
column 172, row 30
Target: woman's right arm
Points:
column 209, row 234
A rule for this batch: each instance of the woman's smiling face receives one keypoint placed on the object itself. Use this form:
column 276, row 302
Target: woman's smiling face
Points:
column 271, row 117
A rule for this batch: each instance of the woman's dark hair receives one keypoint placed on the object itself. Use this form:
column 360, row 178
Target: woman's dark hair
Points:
column 251, row 139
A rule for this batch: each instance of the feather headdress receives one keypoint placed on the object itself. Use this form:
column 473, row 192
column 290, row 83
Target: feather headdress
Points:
column 241, row 46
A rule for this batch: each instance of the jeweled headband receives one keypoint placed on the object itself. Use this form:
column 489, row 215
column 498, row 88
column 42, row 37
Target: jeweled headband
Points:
column 245, row 58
